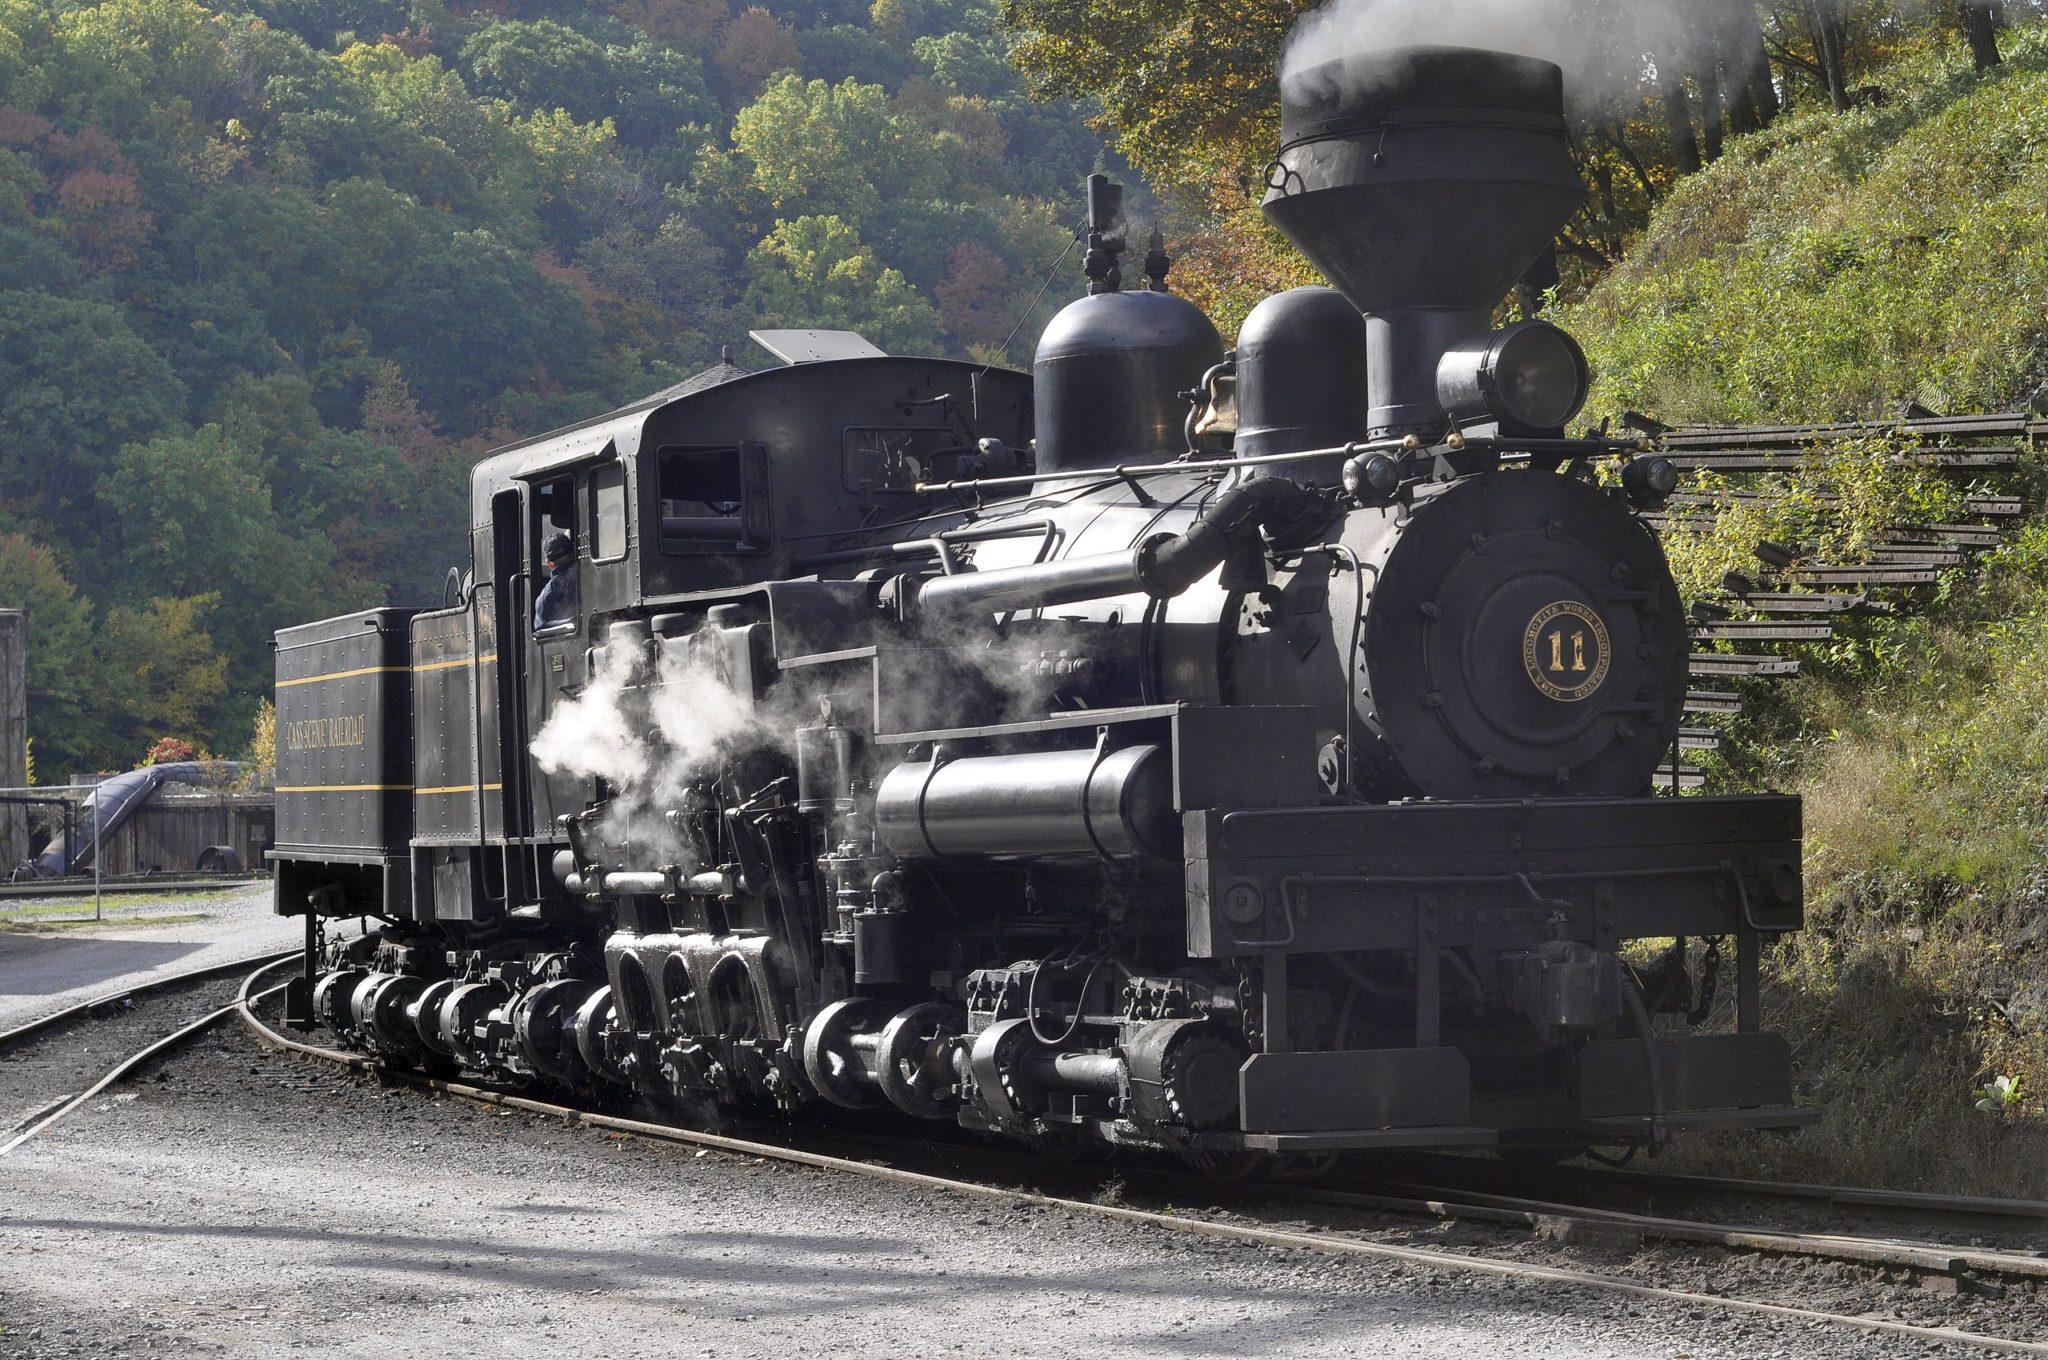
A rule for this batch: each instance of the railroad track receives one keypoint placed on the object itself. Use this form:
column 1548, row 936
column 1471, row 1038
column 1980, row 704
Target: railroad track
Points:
column 868, row 1159
column 1967, row 1267
column 62, row 1106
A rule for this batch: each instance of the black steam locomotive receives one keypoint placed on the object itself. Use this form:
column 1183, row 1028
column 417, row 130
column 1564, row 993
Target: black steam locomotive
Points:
column 1223, row 753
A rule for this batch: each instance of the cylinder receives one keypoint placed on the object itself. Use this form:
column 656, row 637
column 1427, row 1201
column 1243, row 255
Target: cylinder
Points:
column 824, row 769
column 884, row 948
column 1055, row 805
column 1099, row 1074
column 1406, row 348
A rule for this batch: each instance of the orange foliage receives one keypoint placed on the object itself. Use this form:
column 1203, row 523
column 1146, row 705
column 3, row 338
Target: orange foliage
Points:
column 685, row 24
column 577, row 277
column 971, row 295
column 394, row 419
column 106, row 220
column 753, row 47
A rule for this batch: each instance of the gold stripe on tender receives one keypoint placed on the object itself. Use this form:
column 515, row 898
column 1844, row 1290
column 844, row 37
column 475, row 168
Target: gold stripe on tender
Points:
column 340, row 675
column 343, row 788
column 486, row 658
column 462, row 788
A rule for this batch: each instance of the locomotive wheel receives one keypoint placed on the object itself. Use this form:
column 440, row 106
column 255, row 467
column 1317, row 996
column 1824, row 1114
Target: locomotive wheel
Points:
column 1184, row 1074
column 1003, row 1089
column 466, row 1007
column 426, row 1016
column 833, row 1068
column 1227, row 1168
column 587, row 1027
column 384, row 1005
column 331, row 997
column 540, row 1021
column 914, row 1060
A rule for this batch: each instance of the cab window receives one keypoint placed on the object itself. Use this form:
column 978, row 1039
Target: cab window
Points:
column 608, row 513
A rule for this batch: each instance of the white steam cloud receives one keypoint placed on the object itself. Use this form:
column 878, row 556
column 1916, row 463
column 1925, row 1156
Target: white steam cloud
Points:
column 649, row 735
column 1608, row 48
column 1345, row 28
column 652, row 731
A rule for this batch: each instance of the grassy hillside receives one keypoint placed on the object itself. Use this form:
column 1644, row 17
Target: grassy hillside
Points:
column 1837, row 264
column 1832, row 267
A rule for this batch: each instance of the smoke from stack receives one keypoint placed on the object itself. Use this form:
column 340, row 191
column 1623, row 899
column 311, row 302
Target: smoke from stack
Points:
column 1606, row 47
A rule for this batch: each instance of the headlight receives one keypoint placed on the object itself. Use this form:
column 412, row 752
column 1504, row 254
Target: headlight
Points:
column 1649, row 481
column 1373, row 478
column 1528, row 379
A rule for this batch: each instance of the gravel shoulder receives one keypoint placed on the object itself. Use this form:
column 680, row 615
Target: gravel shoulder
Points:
column 44, row 970
column 253, row 1204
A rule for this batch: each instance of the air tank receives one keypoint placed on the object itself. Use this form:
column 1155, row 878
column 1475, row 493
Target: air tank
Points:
column 1109, row 373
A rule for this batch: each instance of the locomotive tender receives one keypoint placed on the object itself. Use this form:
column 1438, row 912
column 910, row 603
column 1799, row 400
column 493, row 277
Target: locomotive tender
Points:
column 1222, row 754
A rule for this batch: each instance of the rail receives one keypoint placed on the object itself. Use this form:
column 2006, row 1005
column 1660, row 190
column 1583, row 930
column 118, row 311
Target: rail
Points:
column 1180, row 1223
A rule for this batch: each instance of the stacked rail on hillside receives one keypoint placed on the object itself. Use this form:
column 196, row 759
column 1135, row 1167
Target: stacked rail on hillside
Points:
column 1758, row 623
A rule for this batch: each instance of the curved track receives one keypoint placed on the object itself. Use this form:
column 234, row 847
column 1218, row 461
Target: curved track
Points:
column 156, row 984
column 143, row 1055
column 1324, row 1242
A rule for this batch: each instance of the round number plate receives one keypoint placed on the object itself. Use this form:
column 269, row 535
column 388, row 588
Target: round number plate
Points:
column 1565, row 650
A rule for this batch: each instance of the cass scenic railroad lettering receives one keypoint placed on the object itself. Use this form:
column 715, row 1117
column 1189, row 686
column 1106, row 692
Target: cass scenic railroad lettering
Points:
column 314, row 734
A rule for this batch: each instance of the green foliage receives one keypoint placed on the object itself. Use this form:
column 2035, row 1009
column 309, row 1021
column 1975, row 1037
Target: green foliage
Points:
column 1834, row 508
column 272, row 276
column 59, row 627
column 1998, row 1095
column 838, row 149
column 644, row 90
column 815, row 271
column 74, row 381
column 1835, row 265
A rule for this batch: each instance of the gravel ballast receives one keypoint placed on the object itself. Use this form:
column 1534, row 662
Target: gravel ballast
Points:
column 256, row 1204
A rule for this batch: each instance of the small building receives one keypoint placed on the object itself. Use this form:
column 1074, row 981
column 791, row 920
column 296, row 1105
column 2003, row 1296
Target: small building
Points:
column 177, row 827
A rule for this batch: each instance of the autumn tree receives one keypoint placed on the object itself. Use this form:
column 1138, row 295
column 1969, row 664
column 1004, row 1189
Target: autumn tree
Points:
column 972, row 294
column 686, row 25
column 160, row 675
column 753, row 46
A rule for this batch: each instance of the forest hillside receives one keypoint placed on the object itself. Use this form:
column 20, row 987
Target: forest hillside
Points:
column 272, row 275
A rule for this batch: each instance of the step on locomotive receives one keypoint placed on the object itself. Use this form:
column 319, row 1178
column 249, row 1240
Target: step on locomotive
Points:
column 1230, row 753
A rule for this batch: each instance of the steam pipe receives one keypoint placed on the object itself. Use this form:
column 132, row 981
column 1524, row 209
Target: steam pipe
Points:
column 1127, row 471
column 1405, row 444
column 649, row 883
column 1161, row 567
column 1066, row 581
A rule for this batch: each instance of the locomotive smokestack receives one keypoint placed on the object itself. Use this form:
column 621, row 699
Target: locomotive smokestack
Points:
column 1422, row 181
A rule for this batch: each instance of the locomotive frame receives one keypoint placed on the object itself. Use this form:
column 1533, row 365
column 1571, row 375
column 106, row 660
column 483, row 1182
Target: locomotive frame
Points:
column 1314, row 826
